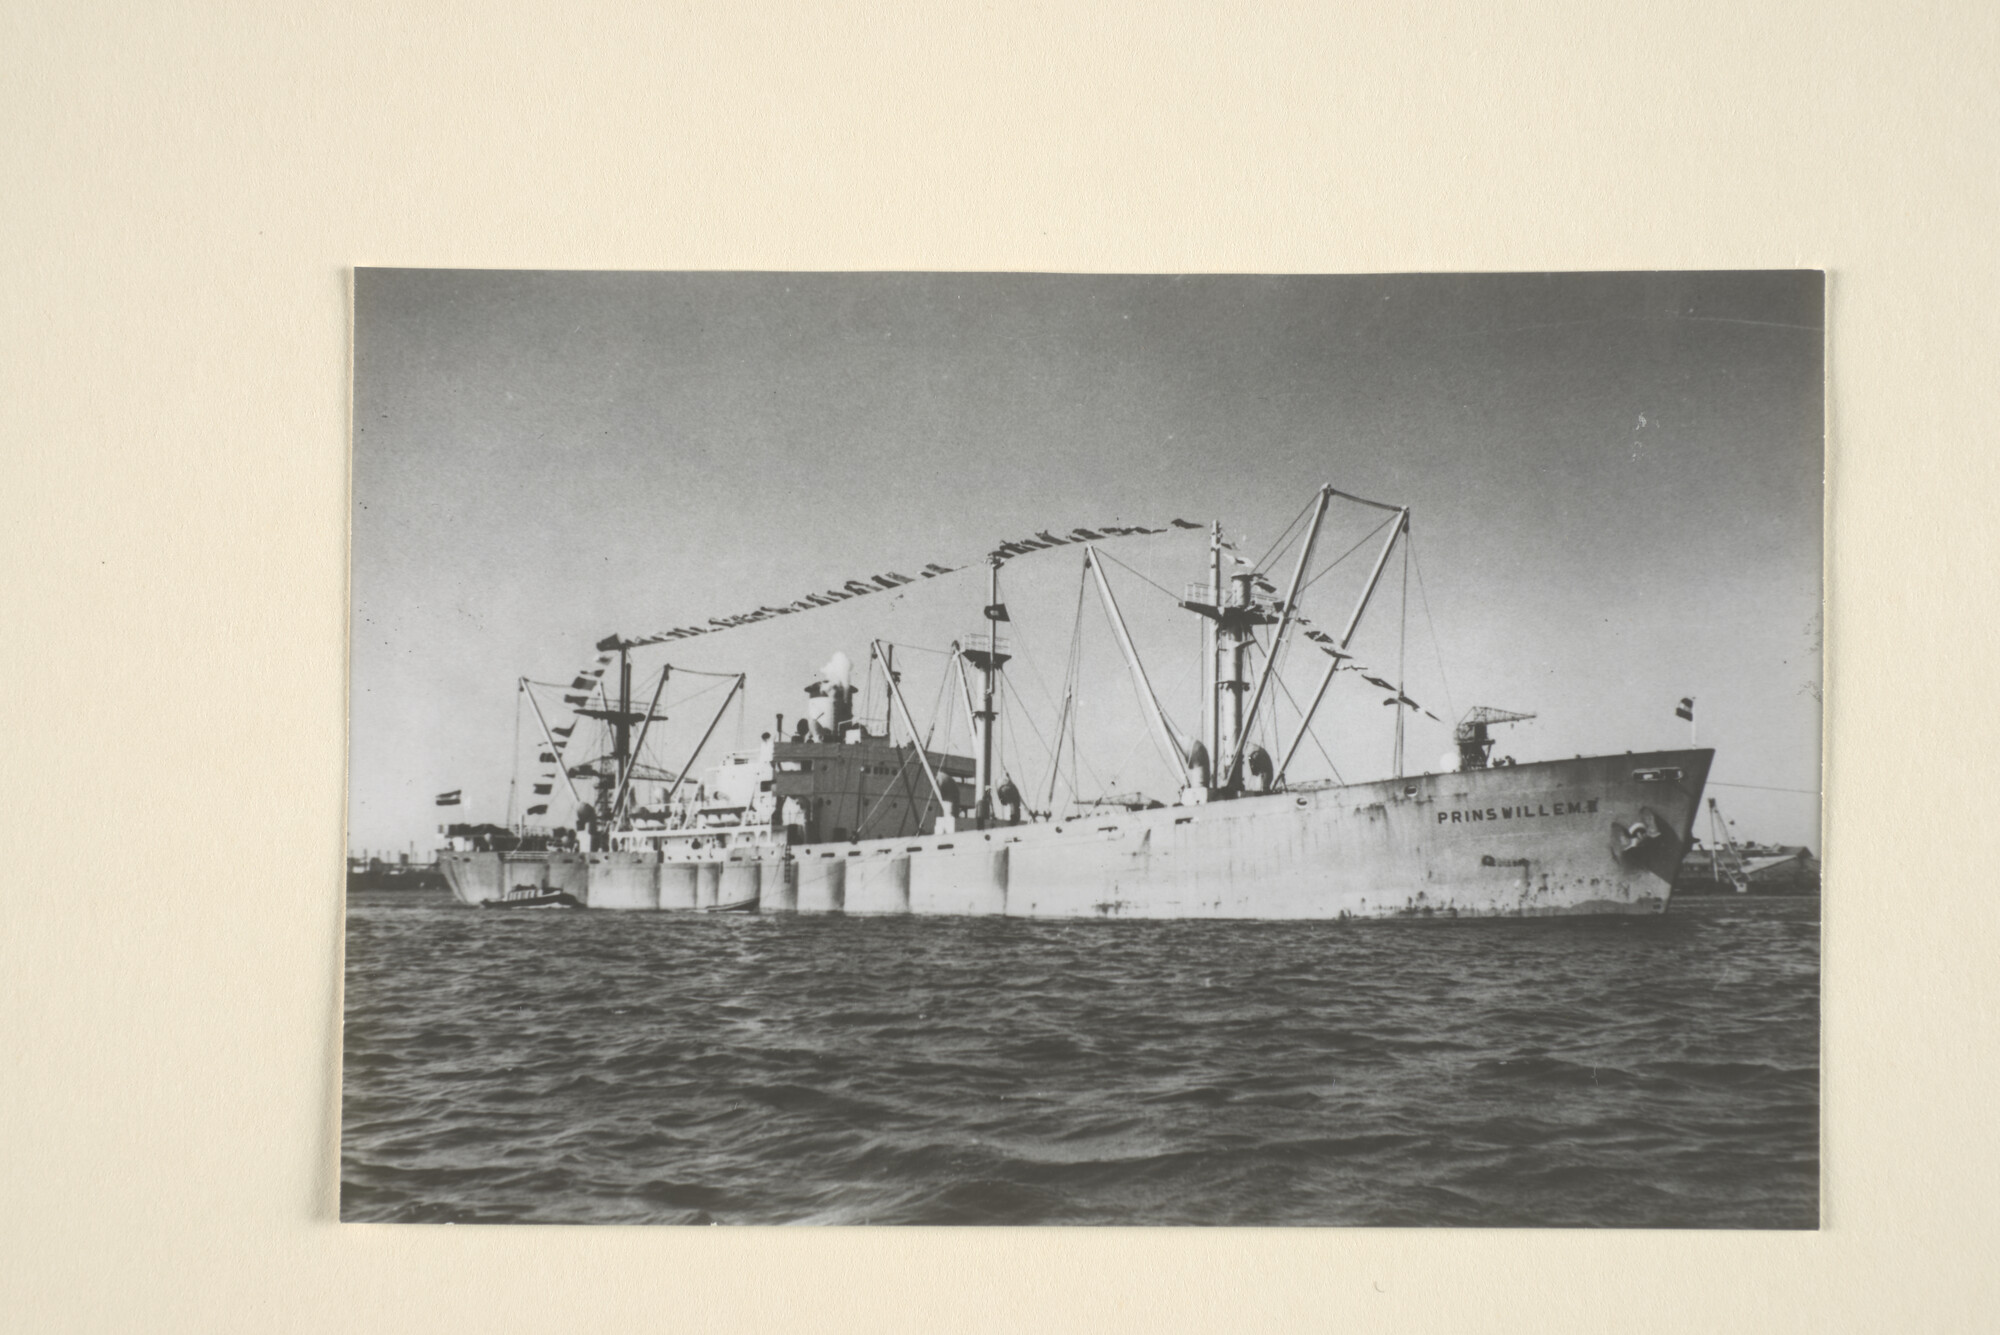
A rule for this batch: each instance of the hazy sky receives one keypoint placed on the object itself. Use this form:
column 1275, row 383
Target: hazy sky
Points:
column 1615, row 482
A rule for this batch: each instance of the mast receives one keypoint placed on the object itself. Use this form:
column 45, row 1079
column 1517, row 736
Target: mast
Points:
column 621, row 717
column 1233, row 629
column 1211, row 716
column 621, row 736
column 1233, row 616
column 988, row 661
column 984, row 782
column 630, row 767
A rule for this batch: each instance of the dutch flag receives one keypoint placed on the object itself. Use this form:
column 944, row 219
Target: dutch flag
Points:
column 1685, row 709
column 449, row 799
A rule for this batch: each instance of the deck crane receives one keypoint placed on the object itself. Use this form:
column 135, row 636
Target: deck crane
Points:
column 1475, row 744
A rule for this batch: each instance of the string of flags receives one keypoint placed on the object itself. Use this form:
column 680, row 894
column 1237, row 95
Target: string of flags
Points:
column 582, row 686
column 861, row 588
column 588, row 681
column 1331, row 648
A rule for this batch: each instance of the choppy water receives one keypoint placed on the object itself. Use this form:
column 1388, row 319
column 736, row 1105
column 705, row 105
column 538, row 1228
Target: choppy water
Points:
column 641, row 1068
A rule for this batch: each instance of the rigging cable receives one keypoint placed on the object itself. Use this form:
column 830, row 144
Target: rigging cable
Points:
column 1161, row 587
column 1010, row 741
column 1076, row 762
column 916, row 648
column 1327, row 569
column 514, row 779
column 1284, row 538
column 1070, row 675
column 1130, row 751
column 1026, row 655
column 686, row 700
column 1259, row 647
column 1008, row 686
column 889, row 791
column 1402, row 677
column 1317, row 745
column 1424, row 598
column 1175, row 734
column 944, row 684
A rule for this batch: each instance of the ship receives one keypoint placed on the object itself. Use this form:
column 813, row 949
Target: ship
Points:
column 850, row 816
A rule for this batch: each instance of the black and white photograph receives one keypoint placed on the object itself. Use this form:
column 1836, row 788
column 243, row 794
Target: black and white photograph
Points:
column 1093, row 749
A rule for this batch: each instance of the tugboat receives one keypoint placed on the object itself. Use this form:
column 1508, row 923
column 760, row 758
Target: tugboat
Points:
column 533, row 897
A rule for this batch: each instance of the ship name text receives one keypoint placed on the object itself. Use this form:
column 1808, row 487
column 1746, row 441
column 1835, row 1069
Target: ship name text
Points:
column 1525, row 811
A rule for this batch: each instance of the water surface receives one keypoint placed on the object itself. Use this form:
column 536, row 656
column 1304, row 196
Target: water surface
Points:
column 576, row 1067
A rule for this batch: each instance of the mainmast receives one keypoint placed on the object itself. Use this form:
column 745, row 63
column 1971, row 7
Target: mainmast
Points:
column 1235, row 627
column 1233, row 615
column 621, row 735
column 621, row 745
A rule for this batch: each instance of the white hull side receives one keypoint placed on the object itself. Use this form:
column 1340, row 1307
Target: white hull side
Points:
column 476, row 878
column 1545, row 843
column 1520, row 841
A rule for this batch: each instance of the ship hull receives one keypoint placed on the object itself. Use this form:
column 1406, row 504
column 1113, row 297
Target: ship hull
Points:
column 479, row 878
column 1592, row 836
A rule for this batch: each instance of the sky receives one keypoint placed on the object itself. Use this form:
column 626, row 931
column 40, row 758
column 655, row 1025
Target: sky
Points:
column 1616, row 485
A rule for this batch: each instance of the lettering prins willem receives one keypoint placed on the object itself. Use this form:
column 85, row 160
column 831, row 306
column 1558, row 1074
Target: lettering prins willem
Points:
column 1520, row 812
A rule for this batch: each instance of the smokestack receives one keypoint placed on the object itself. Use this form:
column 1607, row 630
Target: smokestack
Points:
column 839, row 677
column 839, row 671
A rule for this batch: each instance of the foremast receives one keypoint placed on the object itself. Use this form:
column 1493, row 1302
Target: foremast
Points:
column 988, row 661
column 614, row 773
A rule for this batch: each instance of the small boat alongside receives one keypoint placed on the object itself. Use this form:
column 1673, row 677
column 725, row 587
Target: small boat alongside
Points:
column 533, row 897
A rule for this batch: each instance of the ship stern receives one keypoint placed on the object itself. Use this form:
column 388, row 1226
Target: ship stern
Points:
column 474, row 877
